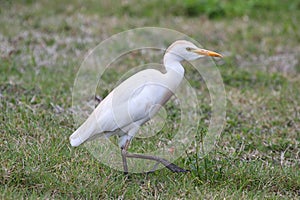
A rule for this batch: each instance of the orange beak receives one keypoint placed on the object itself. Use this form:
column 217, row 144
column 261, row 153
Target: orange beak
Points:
column 207, row 53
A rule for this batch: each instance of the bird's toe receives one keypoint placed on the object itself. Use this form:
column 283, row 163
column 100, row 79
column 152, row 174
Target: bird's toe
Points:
column 175, row 168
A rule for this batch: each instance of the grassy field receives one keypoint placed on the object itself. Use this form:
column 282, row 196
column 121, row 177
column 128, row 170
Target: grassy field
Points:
column 258, row 154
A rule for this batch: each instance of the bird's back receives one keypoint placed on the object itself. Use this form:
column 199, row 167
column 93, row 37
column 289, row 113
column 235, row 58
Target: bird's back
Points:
column 130, row 104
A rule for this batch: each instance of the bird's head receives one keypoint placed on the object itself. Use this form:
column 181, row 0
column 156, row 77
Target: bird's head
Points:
column 186, row 50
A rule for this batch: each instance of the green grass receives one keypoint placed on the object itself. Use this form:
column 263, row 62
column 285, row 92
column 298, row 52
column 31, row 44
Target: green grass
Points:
column 257, row 156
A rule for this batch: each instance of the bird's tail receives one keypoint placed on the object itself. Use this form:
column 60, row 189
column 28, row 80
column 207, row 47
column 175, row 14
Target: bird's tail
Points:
column 85, row 132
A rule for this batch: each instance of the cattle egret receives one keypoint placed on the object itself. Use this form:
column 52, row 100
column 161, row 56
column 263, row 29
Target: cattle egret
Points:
column 136, row 100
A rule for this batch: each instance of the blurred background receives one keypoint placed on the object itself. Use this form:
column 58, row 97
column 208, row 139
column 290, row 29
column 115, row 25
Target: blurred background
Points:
column 42, row 44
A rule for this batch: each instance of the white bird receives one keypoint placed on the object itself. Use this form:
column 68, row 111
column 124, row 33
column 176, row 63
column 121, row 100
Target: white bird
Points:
column 137, row 99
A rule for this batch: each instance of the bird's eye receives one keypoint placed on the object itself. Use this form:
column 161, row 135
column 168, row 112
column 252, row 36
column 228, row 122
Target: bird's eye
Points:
column 189, row 49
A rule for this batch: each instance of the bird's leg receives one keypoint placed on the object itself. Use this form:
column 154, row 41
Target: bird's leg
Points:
column 169, row 165
column 124, row 153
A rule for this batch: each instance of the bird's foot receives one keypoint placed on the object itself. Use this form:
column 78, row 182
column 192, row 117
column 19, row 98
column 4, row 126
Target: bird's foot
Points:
column 174, row 168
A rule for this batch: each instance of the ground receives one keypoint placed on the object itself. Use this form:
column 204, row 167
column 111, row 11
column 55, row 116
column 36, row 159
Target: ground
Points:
column 42, row 45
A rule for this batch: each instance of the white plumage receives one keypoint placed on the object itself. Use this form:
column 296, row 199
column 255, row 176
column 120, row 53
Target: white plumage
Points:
column 138, row 98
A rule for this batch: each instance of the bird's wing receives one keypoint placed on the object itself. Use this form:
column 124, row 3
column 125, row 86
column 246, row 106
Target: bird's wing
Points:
column 133, row 102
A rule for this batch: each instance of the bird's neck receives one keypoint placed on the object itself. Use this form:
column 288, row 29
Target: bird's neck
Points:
column 172, row 64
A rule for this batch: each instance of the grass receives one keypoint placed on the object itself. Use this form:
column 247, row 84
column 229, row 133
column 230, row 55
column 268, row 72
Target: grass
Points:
column 257, row 156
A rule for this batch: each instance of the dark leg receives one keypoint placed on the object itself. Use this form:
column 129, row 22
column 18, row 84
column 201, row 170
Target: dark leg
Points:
column 125, row 167
column 169, row 165
column 123, row 153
